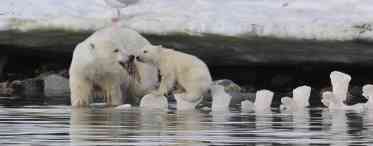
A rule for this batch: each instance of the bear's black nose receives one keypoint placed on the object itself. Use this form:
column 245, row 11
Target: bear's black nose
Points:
column 137, row 58
column 131, row 58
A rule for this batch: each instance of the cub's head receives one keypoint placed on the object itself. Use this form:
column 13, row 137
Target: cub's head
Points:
column 149, row 54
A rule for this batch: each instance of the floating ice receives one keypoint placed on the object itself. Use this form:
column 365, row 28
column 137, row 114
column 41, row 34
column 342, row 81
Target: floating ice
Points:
column 288, row 104
column 183, row 105
column 247, row 106
column 368, row 93
column 300, row 99
column 263, row 100
column 123, row 107
column 154, row 102
column 340, row 82
column 301, row 96
column 220, row 99
column 329, row 100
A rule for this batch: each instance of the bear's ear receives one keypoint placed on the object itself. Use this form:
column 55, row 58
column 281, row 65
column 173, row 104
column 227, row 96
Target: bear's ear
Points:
column 92, row 46
column 159, row 46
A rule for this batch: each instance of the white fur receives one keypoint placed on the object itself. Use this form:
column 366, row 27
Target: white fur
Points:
column 187, row 73
column 96, row 63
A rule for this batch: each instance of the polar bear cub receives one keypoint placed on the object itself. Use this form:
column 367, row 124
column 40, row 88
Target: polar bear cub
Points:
column 184, row 74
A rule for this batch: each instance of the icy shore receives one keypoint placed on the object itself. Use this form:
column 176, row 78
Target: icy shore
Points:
column 340, row 20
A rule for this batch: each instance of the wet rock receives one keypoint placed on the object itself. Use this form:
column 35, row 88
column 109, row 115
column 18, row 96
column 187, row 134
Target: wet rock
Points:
column 233, row 90
column 229, row 86
column 29, row 88
column 355, row 95
column 3, row 62
column 281, row 81
column 5, row 89
column 56, row 85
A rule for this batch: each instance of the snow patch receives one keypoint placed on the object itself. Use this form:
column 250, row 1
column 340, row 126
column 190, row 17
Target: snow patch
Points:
column 295, row 19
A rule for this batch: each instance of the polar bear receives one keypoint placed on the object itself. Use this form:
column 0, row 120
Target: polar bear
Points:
column 103, row 61
column 187, row 74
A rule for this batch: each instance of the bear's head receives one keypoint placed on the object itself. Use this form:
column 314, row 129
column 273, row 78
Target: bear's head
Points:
column 149, row 54
column 111, row 53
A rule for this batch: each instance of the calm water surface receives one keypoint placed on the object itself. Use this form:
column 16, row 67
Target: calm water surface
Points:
column 62, row 125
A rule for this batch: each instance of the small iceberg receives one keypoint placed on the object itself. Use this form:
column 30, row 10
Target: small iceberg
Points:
column 340, row 82
column 263, row 100
column 300, row 99
column 220, row 99
column 183, row 105
column 123, row 107
column 150, row 101
column 368, row 94
column 335, row 100
column 288, row 104
column 247, row 106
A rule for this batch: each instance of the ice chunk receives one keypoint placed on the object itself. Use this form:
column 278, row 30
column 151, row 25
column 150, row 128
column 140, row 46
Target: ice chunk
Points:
column 183, row 105
column 263, row 100
column 340, row 82
column 123, row 107
column 368, row 93
column 247, row 106
column 151, row 101
column 301, row 96
column 220, row 99
column 288, row 104
column 329, row 100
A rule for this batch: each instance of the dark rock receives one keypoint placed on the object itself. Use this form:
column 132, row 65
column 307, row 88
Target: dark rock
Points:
column 355, row 96
column 229, row 86
column 276, row 101
column 56, row 86
column 5, row 89
column 238, row 97
column 281, row 81
column 233, row 90
column 3, row 62
column 29, row 88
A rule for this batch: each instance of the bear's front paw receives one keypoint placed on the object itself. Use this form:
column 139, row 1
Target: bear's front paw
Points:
column 80, row 103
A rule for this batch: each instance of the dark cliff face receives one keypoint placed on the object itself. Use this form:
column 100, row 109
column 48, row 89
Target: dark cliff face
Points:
column 263, row 62
column 214, row 49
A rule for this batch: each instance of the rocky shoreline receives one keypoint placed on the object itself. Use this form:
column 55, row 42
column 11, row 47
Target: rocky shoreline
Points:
column 30, row 59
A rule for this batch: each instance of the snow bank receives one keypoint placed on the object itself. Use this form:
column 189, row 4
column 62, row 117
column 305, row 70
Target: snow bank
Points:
column 298, row 19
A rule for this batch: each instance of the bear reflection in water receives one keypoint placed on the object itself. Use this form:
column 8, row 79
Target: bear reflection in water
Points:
column 108, row 126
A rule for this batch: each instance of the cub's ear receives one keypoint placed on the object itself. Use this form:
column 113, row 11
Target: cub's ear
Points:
column 158, row 47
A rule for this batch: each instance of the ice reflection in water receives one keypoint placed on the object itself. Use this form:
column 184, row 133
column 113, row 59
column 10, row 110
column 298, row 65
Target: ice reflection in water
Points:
column 60, row 125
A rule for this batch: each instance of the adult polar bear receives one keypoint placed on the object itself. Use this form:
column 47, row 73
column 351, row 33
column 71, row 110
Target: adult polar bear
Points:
column 187, row 73
column 97, row 62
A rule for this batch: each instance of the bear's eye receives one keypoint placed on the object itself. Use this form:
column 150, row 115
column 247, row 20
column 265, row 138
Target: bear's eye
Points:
column 145, row 51
column 116, row 50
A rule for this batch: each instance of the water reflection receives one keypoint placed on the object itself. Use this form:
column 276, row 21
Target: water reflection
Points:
column 60, row 125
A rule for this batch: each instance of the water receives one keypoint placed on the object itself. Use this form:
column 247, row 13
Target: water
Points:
column 61, row 125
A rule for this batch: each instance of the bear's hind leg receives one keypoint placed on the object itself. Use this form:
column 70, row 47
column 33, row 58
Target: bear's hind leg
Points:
column 114, row 95
column 80, row 92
